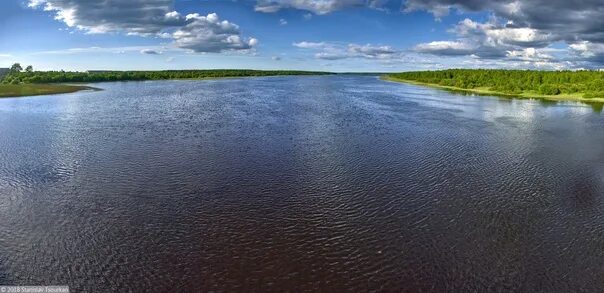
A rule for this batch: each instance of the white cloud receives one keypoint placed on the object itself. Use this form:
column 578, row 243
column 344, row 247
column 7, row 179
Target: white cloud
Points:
column 527, row 24
column 372, row 52
column 494, row 33
column 530, row 54
column 519, row 36
column 150, row 52
column 490, row 40
column 310, row 45
column 317, row 6
column 587, row 49
column 155, row 18
column 210, row 34
column 175, row 16
column 136, row 17
column 446, row 48
column 334, row 51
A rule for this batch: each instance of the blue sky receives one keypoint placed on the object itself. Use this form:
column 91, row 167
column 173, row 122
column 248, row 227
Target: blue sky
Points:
column 329, row 35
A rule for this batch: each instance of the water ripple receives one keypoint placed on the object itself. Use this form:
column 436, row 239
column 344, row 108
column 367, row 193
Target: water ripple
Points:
column 337, row 183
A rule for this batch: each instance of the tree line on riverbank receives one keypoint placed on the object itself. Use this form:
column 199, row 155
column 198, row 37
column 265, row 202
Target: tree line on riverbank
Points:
column 589, row 84
column 19, row 76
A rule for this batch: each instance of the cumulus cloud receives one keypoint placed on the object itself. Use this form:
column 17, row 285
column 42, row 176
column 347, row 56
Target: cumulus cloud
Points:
column 588, row 51
column 140, row 17
column 498, row 34
column 372, row 52
column 333, row 51
column 315, row 6
column 567, row 19
column 525, row 29
column 210, row 34
column 488, row 40
column 530, row 23
column 494, row 39
column 155, row 18
column 530, row 55
column 450, row 48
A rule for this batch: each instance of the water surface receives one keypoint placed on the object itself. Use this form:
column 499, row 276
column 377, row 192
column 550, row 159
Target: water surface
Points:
column 302, row 183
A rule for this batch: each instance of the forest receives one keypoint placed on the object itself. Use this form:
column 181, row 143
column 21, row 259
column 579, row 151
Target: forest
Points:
column 17, row 75
column 19, row 81
column 586, row 84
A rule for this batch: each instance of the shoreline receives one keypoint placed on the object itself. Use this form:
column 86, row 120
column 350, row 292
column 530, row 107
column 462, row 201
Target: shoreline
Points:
column 41, row 89
column 487, row 92
column 30, row 90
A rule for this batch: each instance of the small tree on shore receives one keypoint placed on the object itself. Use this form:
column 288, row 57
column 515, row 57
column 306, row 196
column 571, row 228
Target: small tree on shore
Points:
column 29, row 69
column 16, row 68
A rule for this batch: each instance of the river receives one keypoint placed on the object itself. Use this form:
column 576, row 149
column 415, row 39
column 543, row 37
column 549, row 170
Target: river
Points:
column 328, row 183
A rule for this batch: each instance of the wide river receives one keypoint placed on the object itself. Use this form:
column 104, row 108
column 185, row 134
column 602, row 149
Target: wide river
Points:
column 302, row 183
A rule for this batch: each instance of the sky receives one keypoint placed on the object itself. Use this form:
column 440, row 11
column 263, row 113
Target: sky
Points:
column 325, row 35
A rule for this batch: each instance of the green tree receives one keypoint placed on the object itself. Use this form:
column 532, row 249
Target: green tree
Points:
column 29, row 69
column 16, row 68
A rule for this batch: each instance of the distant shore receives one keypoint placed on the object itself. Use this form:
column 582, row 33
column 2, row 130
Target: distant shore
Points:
column 19, row 84
column 24, row 90
column 486, row 91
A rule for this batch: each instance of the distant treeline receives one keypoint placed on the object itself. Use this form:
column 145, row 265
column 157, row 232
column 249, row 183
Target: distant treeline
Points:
column 590, row 84
column 17, row 77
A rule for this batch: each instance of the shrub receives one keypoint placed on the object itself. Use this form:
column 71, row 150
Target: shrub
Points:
column 547, row 89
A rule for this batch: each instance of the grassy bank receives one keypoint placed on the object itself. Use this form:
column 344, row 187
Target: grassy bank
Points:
column 20, row 90
column 582, row 86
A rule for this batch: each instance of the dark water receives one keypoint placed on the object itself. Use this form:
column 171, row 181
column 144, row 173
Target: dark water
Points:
column 300, row 183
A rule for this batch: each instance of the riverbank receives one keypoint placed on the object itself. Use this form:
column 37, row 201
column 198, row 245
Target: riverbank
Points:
column 486, row 91
column 22, row 90
column 18, row 84
column 51, row 77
